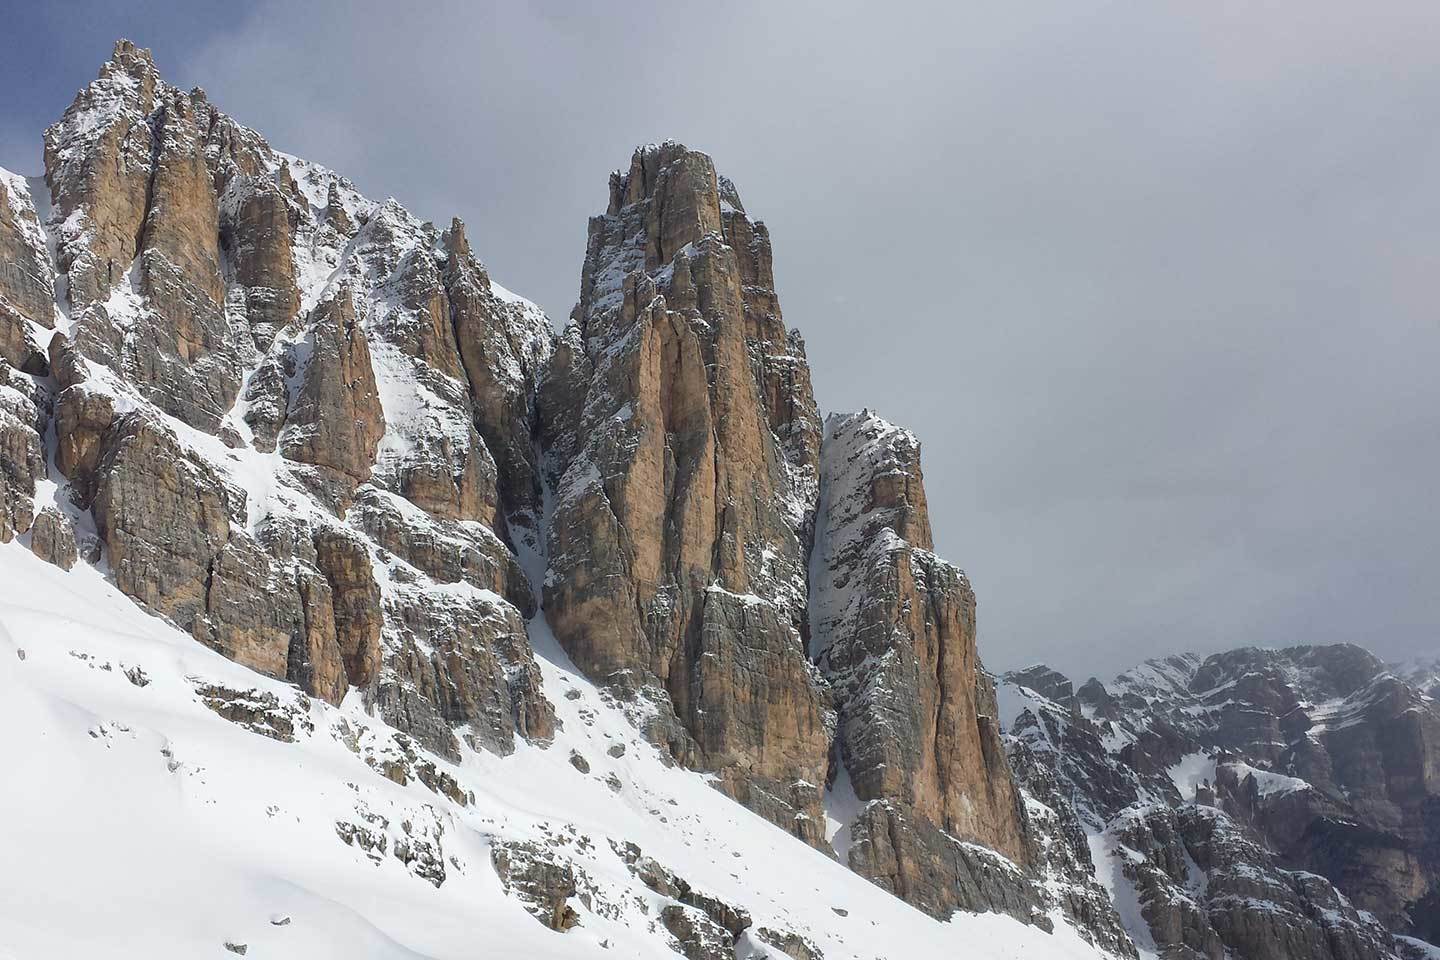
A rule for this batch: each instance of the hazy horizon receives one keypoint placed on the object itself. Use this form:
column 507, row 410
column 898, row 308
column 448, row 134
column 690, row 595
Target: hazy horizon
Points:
column 1170, row 345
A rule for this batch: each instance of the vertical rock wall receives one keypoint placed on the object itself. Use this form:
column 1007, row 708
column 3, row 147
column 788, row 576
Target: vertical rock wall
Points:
column 894, row 629
column 679, row 536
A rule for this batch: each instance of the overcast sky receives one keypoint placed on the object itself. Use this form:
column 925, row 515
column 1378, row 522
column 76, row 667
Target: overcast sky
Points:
column 1155, row 283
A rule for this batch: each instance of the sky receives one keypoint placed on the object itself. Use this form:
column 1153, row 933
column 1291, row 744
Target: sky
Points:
column 1155, row 284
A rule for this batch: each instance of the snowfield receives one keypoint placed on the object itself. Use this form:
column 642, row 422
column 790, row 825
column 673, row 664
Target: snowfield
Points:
column 144, row 824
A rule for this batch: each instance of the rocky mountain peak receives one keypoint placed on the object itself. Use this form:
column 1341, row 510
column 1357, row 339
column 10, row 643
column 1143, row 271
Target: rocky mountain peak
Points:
column 309, row 432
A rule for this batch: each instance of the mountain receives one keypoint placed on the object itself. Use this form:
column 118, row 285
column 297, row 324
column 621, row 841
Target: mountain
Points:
column 350, row 609
column 1268, row 803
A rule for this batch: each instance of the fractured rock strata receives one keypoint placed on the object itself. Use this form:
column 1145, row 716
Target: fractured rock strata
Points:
column 677, row 547
column 895, row 635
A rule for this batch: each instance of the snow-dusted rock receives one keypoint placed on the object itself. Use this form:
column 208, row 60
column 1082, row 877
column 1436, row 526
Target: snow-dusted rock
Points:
column 894, row 632
column 677, row 543
column 220, row 302
column 1321, row 753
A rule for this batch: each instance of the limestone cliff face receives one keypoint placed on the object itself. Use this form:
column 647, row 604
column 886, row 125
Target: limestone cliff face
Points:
column 308, row 429
column 683, row 444
column 1299, row 781
column 337, row 420
column 263, row 427
column 678, row 543
column 27, row 298
column 894, row 629
column 137, row 218
column 503, row 343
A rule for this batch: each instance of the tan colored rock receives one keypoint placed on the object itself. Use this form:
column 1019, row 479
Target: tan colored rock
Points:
column 315, row 659
column 19, row 347
column 779, row 354
column 255, row 231
column 356, row 600
column 677, row 545
column 151, row 186
column 452, row 480
column 909, row 856
column 444, row 550
column 163, row 517
column 460, row 657
column 98, row 162
column 52, row 539
column 337, row 421
column 82, row 420
column 895, row 636
column 438, row 459
column 182, row 222
column 174, row 536
column 541, row 881
column 138, row 239
column 252, row 613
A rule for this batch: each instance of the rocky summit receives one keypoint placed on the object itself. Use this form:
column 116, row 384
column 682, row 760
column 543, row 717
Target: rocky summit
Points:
column 400, row 622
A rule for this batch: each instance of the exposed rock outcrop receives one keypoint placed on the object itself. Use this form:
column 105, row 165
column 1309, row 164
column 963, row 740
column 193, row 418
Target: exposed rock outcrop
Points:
column 27, row 298
column 52, row 539
column 894, row 631
column 192, row 259
column 1314, row 760
column 1207, row 891
column 460, row 656
column 255, row 233
column 22, row 457
column 312, row 432
column 918, row 862
column 677, row 547
column 138, row 238
column 544, row 884
column 503, row 343
column 337, row 421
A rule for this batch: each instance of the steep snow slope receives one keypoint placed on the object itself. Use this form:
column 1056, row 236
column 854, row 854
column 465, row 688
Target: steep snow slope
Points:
column 144, row 824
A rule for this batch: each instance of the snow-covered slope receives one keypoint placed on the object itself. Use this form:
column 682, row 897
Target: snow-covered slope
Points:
column 144, row 823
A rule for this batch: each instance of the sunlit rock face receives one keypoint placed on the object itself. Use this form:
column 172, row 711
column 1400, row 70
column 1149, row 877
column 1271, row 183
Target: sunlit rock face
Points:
column 680, row 436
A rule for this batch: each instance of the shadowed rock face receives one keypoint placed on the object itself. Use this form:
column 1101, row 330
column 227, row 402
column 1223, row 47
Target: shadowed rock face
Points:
column 502, row 344
column 1321, row 758
column 679, row 537
column 27, row 299
column 1207, row 891
column 894, row 629
column 22, row 454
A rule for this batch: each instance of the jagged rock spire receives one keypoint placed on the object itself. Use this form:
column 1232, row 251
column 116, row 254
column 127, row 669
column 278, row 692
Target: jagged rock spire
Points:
column 680, row 534
column 895, row 635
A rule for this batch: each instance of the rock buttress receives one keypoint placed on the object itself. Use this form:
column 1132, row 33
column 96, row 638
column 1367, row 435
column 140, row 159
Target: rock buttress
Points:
column 894, row 629
column 678, row 542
